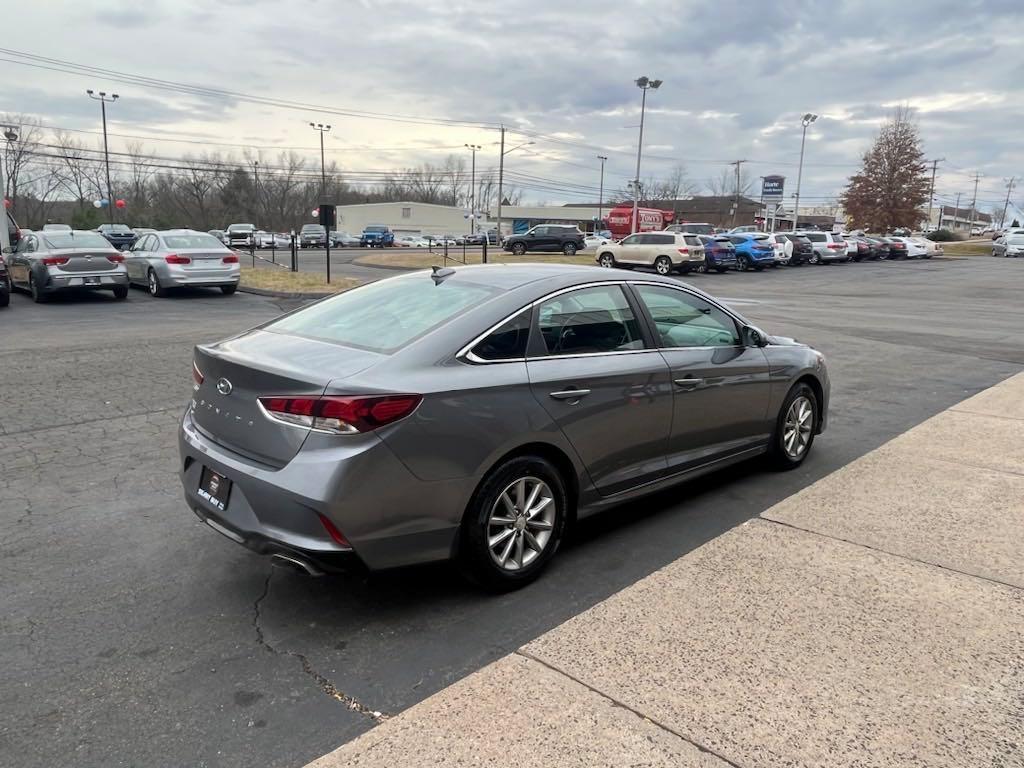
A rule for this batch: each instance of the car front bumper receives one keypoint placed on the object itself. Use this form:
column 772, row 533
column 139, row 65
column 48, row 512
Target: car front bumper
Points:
column 390, row 517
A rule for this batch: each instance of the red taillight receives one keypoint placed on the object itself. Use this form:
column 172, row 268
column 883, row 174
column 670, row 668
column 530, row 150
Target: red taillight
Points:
column 898, row 246
column 341, row 415
column 173, row 258
column 55, row 261
column 230, row 259
column 684, row 250
column 333, row 532
column 115, row 258
column 837, row 246
column 197, row 375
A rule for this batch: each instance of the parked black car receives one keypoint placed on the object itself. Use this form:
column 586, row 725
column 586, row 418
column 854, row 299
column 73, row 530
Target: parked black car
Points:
column 879, row 247
column 5, row 284
column 477, row 238
column 121, row 236
column 547, row 237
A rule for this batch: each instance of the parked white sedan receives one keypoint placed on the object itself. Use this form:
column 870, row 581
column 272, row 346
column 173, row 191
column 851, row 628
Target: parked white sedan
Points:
column 666, row 252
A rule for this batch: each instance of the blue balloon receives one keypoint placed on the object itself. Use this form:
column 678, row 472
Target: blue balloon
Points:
column 104, row 203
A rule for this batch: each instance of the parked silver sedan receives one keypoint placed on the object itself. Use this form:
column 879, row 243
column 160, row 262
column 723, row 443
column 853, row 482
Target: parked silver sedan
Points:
column 179, row 258
column 46, row 263
column 475, row 413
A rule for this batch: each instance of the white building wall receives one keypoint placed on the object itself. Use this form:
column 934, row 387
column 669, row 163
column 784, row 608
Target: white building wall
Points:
column 404, row 218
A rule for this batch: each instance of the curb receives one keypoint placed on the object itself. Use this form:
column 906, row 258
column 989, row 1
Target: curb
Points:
column 284, row 294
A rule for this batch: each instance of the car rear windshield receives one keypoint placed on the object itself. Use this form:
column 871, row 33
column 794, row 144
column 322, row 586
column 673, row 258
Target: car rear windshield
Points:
column 194, row 241
column 385, row 316
column 760, row 237
column 75, row 240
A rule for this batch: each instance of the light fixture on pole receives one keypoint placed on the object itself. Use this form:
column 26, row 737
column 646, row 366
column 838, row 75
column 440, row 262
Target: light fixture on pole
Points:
column 11, row 134
column 323, row 172
column 600, row 194
column 501, row 173
column 805, row 121
column 103, row 99
column 472, row 187
column 645, row 84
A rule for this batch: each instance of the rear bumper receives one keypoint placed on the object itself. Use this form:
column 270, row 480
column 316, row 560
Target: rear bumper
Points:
column 390, row 517
column 78, row 282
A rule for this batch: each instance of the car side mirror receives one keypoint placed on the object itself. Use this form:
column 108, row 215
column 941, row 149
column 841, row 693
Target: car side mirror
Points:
column 752, row 337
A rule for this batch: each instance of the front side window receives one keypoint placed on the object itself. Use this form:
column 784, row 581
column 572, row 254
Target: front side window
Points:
column 683, row 320
column 589, row 321
column 508, row 342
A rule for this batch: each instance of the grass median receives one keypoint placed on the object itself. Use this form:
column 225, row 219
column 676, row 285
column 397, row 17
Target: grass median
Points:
column 968, row 248
column 293, row 282
column 422, row 260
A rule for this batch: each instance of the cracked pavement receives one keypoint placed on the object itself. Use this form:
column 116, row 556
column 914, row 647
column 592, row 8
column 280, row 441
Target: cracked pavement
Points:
column 131, row 634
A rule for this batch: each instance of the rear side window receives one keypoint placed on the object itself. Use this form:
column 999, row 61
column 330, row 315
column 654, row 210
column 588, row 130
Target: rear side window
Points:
column 589, row 321
column 385, row 316
column 507, row 342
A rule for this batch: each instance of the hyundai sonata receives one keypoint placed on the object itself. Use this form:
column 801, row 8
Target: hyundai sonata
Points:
column 476, row 413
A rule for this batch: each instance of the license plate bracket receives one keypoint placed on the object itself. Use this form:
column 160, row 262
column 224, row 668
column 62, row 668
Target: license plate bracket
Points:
column 214, row 488
column 91, row 280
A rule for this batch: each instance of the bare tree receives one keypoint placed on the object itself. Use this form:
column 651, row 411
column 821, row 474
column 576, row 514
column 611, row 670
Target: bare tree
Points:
column 20, row 153
column 724, row 185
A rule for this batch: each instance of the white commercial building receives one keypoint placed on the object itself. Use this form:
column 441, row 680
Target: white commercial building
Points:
column 404, row 218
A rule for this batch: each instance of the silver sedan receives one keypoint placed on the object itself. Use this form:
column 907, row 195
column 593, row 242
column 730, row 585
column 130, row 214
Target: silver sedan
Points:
column 475, row 413
column 180, row 258
column 46, row 263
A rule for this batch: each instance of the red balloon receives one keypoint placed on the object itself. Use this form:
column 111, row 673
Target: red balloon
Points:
column 120, row 203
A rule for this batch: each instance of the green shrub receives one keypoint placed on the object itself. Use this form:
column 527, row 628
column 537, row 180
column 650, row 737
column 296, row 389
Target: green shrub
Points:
column 941, row 236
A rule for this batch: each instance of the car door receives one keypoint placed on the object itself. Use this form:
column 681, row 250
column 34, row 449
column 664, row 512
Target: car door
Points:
column 721, row 387
column 134, row 259
column 630, row 250
column 598, row 376
column 18, row 265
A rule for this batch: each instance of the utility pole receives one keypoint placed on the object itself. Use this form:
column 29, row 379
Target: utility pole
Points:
column 736, row 202
column 501, row 179
column 1009, row 189
column 256, row 178
column 931, row 191
column 974, row 203
column 472, row 189
column 101, row 97
column 323, row 167
column 600, row 194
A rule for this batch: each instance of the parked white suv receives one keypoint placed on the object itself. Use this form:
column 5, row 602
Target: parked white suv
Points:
column 783, row 247
column 667, row 252
column 828, row 247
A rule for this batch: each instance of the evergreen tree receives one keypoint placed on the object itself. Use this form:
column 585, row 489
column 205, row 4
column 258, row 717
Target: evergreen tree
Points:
column 891, row 189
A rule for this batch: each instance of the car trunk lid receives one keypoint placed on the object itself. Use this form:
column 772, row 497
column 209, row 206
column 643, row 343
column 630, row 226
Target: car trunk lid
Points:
column 83, row 260
column 237, row 372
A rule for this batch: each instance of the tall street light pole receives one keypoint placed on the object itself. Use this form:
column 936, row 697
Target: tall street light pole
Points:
column 501, row 173
column 644, row 83
column 323, row 166
column 103, row 99
column 472, row 188
column 600, row 194
column 805, row 121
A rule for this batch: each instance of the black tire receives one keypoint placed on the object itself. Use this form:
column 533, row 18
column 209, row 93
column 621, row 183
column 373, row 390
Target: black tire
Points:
column 721, row 270
column 37, row 296
column 606, row 260
column 518, row 249
column 227, row 290
column 663, row 265
column 156, row 290
column 475, row 555
column 120, row 292
column 759, row 267
column 779, row 457
column 569, row 249
column 5, row 297
column 742, row 263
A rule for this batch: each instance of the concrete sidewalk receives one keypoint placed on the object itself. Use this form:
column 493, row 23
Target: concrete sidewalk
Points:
column 874, row 619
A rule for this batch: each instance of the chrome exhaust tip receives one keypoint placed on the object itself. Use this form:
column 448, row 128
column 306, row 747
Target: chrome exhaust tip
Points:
column 295, row 563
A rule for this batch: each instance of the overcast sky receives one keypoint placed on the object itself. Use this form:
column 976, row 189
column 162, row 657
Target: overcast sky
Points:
column 737, row 76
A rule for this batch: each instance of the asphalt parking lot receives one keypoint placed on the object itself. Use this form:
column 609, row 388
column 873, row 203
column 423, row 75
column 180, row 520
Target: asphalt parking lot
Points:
column 131, row 634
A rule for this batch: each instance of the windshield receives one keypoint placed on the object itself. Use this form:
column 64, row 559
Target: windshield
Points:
column 384, row 316
column 117, row 228
column 184, row 242
column 75, row 240
column 312, row 228
column 376, row 229
column 241, row 228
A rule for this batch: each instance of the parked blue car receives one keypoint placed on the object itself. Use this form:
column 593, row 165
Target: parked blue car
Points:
column 753, row 250
column 719, row 253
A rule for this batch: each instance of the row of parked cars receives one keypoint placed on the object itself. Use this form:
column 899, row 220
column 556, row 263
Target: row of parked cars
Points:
column 57, row 259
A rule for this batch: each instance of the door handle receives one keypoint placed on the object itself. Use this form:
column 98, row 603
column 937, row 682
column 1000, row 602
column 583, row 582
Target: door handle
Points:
column 688, row 383
column 570, row 394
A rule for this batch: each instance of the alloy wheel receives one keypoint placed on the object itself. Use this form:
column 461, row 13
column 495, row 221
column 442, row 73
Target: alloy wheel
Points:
column 606, row 261
column 662, row 265
column 796, row 431
column 521, row 522
column 154, row 287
